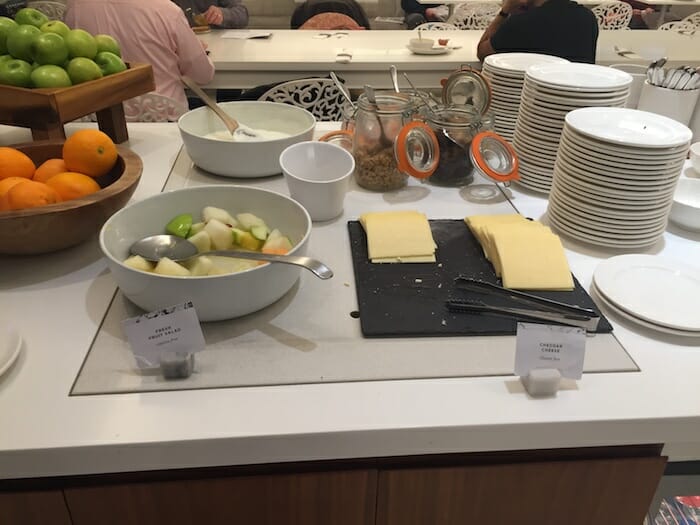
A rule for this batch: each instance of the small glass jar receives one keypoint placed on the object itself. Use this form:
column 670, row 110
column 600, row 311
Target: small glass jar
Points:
column 455, row 127
column 389, row 145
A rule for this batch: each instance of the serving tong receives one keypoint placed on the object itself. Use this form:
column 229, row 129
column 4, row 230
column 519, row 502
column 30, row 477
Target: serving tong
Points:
column 523, row 303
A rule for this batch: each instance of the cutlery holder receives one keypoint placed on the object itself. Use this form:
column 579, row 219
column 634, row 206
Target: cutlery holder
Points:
column 677, row 104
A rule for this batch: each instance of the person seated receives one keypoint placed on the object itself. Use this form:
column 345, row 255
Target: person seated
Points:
column 416, row 13
column 311, row 8
column 561, row 28
column 155, row 32
column 331, row 22
column 223, row 14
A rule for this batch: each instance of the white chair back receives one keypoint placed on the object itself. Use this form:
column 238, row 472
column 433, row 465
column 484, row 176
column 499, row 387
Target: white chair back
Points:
column 613, row 15
column 693, row 20
column 152, row 107
column 680, row 26
column 320, row 96
column 474, row 15
column 436, row 26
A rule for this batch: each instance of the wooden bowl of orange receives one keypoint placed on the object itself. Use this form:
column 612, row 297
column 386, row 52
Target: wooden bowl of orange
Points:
column 54, row 207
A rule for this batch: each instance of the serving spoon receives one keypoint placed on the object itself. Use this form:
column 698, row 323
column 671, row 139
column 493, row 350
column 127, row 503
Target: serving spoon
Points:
column 231, row 123
column 176, row 248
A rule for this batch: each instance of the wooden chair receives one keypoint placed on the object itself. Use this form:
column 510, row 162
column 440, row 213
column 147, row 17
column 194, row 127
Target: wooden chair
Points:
column 320, row 96
column 613, row 15
column 436, row 26
column 152, row 107
column 54, row 10
column 474, row 15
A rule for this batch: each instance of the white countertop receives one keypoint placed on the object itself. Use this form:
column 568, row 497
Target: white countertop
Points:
column 57, row 303
column 291, row 54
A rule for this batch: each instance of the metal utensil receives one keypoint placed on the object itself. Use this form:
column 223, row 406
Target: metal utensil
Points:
column 156, row 247
column 394, row 78
column 422, row 95
column 371, row 97
column 341, row 88
column 231, row 124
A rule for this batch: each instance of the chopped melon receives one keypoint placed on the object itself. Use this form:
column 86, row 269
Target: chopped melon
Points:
column 169, row 267
column 277, row 243
column 225, row 265
column 211, row 212
column 246, row 240
column 202, row 240
column 139, row 263
column 246, row 221
column 260, row 232
column 220, row 234
column 200, row 265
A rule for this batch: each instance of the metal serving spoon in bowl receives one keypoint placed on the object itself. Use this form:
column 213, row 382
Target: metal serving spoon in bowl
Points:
column 231, row 123
column 176, row 248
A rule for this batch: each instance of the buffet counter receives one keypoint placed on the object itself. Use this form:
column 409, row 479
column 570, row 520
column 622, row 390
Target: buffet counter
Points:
column 57, row 302
column 364, row 57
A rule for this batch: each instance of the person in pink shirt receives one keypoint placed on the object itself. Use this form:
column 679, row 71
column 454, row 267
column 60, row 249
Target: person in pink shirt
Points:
column 151, row 31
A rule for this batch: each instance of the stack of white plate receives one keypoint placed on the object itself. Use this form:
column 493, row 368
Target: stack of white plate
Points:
column 615, row 175
column 656, row 292
column 506, row 74
column 550, row 91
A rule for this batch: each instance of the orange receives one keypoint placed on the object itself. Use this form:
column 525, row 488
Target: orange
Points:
column 89, row 151
column 6, row 184
column 14, row 163
column 70, row 185
column 29, row 194
column 48, row 169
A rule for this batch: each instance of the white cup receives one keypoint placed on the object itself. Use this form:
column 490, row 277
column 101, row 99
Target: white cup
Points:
column 639, row 75
column 677, row 104
column 318, row 176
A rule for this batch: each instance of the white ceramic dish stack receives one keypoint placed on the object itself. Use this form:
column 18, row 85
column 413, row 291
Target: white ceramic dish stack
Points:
column 506, row 74
column 615, row 175
column 550, row 91
column 652, row 291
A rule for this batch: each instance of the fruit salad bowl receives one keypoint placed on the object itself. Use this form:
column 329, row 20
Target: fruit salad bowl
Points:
column 54, row 227
column 215, row 297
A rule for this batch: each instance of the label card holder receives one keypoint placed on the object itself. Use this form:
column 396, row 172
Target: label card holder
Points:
column 164, row 335
column 546, row 353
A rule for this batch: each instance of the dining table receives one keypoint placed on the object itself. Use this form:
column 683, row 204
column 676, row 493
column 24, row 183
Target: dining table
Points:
column 60, row 304
column 364, row 57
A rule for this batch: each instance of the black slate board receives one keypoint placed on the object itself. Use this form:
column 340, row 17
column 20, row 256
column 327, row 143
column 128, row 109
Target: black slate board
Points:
column 408, row 300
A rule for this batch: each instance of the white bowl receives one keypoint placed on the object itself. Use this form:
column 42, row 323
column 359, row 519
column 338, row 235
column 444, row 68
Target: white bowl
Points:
column 214, row 297
column 255, row 158
column 695, row 157
column 685, row 211
column 421, row 43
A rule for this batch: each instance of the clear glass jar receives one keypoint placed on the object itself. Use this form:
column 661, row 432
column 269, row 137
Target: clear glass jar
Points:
column 389, row 145
column 455, row 127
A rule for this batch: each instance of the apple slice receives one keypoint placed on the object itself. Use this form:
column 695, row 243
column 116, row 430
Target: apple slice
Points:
column 246, row 221
column 212, row 212
column 139, row 263
column 200, row 266
column 169, row 267
column 221, row 234
column 201, row 240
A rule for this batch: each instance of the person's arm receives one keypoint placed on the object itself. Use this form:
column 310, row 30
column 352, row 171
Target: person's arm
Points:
column 231, row 14
column 484, row 48
column 192, row 58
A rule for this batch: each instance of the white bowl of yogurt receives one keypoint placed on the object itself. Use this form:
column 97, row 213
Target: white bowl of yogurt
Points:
column 274, row 126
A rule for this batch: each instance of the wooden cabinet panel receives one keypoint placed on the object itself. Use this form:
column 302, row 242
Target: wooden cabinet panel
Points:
column 341, row 498
column 45, row 507
column 583, row 492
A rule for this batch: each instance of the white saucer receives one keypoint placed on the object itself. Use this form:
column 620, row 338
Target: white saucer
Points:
column 441, row 50
column 10, row 346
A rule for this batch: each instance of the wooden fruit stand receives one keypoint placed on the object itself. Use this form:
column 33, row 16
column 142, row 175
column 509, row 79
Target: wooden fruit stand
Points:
column 46, row 110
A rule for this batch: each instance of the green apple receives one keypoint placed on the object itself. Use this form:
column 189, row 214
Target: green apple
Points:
column 109, row 63
column 81, row 44
column 5, row 58
column 81, row 69
column 16, row 72
column 108, row 43
column 31, row 16
column 56, row 26
column 49, row 48
column 50, row 76
column 6, row 25
column 19, row 42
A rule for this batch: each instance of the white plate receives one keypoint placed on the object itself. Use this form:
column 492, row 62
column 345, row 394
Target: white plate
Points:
column 566, row 101
column 601, row 299
column 626, row 152
column 429, row 51
column 519, row 62
column 656, row 289
column 629, row 127
column 10, row 346
column 575, row 76
column 610, row 159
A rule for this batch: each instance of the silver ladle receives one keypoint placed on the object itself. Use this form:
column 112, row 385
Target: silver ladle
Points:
column 231, row 124
column 341, row 88
column 394, row 78
column 176, row 248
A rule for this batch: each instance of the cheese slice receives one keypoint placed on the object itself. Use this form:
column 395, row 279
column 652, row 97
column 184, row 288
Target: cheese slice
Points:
column 532, row 259
column 398, row 236
column 492, row 232
column 479, row 223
